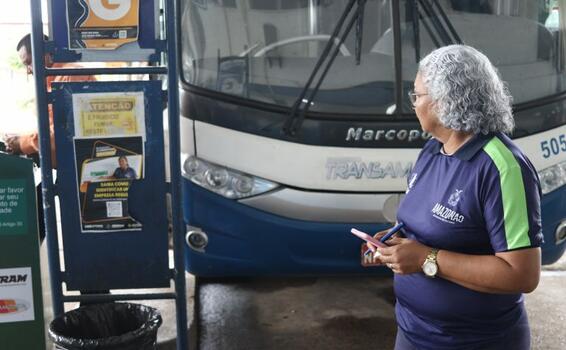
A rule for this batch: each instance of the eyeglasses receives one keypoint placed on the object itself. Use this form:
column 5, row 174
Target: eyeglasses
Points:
column 413, row 97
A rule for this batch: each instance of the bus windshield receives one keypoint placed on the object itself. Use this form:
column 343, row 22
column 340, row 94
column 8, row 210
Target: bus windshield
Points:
column 266, row 50
column 522, row 38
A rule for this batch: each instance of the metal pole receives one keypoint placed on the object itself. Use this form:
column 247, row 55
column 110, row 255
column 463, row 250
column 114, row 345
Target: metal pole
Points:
column 175, row 167
column 99, row 71
column 45, row 159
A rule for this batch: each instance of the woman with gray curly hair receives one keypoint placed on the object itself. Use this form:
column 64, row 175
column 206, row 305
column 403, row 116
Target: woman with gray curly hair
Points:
column 471, row 213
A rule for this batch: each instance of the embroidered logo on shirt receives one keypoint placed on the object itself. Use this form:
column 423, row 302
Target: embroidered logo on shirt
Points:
column 455, row 197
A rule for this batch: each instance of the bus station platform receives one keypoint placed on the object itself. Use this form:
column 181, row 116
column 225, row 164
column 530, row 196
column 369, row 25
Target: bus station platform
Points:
column 317, row 313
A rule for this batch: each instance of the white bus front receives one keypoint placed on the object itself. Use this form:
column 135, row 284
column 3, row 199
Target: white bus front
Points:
column 263, row 200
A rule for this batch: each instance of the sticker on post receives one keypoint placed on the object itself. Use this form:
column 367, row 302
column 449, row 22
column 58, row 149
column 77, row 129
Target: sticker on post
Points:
column 16, row 295
column 102, row 25
column 114, row 209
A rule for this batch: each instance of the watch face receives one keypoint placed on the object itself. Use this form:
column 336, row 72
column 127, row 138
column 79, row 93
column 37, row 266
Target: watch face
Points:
column 430, row 268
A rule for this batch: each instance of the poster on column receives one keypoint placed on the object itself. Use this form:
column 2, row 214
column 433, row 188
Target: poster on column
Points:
column 102, row 24
column 109, row 114
column 106, row 169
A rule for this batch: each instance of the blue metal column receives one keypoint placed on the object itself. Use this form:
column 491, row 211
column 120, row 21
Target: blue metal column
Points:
column 171, row 14
column 47, row 186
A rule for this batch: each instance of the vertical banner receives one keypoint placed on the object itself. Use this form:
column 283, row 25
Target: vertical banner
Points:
column 106, row 167
column 21, row 306
column 102, row 24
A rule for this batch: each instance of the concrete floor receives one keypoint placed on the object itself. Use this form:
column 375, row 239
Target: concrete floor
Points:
column 322, row 313
column 306, row 313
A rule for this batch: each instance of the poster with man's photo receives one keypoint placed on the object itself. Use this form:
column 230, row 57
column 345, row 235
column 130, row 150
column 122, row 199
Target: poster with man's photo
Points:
column 106, row 168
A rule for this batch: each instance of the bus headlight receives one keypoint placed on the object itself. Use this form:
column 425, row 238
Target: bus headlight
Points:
column 553, row 177
column 561, row 233
column 224, row 181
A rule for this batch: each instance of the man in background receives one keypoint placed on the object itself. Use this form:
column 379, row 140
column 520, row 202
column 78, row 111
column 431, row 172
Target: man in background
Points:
column 28, row 144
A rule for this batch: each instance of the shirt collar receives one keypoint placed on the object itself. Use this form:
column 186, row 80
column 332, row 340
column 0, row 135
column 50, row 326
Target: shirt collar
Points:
column 469, row 149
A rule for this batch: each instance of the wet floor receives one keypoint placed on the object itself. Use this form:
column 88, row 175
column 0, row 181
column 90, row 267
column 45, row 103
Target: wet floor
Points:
column 303, row 313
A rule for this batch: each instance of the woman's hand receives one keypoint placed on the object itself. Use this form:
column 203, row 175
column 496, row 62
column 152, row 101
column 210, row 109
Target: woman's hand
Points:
column 404, row 256
column 378, row 237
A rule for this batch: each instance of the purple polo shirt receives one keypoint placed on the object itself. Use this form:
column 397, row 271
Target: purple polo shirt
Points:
column 483, row 199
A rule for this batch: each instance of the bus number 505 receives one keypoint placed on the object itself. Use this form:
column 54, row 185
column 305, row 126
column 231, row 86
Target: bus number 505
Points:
column 553, row 146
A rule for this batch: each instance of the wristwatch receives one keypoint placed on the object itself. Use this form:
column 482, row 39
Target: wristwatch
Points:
column 430, row 267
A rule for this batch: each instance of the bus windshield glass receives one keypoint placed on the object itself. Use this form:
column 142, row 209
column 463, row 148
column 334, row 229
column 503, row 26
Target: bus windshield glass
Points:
column 522, row 38
column 266, row 50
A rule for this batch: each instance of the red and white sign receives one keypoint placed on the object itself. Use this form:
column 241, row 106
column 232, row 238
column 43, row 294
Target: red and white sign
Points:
column 16, row 295
column 367, row 257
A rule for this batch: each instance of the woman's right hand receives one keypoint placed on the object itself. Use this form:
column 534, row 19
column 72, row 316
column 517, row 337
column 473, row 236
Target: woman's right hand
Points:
column 377, row 236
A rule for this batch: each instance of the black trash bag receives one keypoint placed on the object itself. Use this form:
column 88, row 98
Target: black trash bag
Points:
column 113, row 326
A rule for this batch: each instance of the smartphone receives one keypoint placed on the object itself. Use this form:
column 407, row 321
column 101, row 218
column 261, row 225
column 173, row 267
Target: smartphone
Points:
column 368, row 238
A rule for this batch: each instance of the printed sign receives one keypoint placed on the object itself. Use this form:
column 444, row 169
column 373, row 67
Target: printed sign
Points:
column 13, row 207
column 106, row 168
column 109, row 114
column 16, row 295
column 102, row 24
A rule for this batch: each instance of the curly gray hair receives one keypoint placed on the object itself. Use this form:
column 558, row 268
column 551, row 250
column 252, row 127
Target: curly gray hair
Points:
column 467, row 90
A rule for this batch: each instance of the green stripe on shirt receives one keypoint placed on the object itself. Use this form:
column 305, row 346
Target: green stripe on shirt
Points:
column 513, row 194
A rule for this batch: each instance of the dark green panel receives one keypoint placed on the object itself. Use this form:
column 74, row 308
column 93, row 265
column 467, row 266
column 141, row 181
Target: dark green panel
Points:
column 21, row 306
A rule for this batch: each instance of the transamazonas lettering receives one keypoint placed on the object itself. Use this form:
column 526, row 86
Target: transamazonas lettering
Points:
column 345, row 168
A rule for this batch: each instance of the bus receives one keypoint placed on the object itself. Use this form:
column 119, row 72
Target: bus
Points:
column 296, row 126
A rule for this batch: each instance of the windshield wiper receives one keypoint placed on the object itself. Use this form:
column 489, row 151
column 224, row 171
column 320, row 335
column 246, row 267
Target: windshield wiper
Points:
column 446, row 31
column 296, row 117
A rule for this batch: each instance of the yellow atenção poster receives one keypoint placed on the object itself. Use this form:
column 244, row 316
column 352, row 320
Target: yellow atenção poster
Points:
column 109, row 114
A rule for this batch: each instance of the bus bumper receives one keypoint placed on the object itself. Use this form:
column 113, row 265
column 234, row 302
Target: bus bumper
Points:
column 244, row 241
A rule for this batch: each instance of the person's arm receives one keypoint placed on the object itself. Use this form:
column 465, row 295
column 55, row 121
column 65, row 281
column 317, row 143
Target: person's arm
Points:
column 506, row 272
column 516, row 271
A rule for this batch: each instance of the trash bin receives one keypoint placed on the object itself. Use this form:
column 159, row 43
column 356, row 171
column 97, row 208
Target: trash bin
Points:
column 113, row 326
